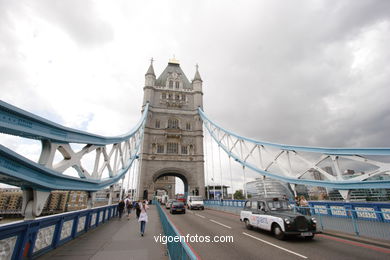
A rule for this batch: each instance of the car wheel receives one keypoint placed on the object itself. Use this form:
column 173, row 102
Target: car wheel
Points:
column 278, row 232
column 248, row 225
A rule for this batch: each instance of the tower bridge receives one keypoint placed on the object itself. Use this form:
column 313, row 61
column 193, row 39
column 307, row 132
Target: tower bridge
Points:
column 167, row 142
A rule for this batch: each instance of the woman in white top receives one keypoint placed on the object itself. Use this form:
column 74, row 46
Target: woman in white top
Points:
column 143, row 217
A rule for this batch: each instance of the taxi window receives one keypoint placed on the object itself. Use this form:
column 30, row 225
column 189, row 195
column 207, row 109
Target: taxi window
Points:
column 248, row 204
column 254, row 205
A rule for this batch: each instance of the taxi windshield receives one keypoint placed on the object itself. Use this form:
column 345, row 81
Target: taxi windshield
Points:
column 278, row 205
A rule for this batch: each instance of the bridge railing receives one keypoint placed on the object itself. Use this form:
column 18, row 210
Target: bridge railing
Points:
column 32, row 238
column 177, row 248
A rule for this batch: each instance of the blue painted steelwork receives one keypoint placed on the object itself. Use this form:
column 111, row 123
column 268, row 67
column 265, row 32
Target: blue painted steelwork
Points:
column 330, row 151
column 26, row 232
column 15, row 121
column 335, row 184
column 19, row 171
column 178, row 249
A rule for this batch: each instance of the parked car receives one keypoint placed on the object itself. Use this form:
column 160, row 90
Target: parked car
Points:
column 169, row 203
column 177, row 206
column 277, row 216
column 195, row 202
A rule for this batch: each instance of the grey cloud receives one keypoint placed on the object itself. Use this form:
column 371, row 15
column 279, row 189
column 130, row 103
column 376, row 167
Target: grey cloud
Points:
column 78, row 18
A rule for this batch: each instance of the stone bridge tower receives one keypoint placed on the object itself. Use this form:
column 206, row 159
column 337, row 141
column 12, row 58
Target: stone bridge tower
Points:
column 173, row 140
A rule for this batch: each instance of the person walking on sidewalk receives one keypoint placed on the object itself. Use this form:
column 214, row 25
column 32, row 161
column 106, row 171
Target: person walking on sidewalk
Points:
column 121, row 208
column 143, row 217
column 138, row 208
column 129, row 206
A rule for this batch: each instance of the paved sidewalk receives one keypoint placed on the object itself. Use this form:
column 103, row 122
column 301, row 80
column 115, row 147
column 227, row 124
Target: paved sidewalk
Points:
column 117, row 239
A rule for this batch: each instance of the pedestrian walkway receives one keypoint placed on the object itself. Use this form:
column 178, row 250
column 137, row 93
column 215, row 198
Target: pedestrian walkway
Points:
column 117, row 239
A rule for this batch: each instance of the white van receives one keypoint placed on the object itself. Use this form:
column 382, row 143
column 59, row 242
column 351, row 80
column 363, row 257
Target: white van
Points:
column 164, row 199
column 195, row 202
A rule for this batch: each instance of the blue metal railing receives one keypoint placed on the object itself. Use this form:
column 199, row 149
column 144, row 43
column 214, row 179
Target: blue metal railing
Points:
column 32, row 238
column 177, row 250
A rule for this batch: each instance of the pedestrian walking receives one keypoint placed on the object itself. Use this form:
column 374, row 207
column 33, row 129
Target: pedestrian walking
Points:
column 305, row 205
column 138, row 209
column 129, row 206
column 121, row 208
column 143, row 217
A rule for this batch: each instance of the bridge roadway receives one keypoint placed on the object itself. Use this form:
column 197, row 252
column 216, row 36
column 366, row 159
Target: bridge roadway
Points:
column 256, row 244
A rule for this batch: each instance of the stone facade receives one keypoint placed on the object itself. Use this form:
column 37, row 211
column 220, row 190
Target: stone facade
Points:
column 173, row 140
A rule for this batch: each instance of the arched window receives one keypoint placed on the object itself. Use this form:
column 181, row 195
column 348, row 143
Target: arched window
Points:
column 170, row 84
column 177, row 84
column 184, row 149
column 172, row 148
column 173, row 123
column 160, row 148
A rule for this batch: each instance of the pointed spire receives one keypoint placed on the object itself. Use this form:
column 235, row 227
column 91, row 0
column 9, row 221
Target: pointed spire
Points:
column 197, row 75
column 150, row 70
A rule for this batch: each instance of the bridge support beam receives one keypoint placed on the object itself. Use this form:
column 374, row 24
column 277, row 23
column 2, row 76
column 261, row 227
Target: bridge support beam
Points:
column 111, row 194
column 346, row 194
column 33, row 203
column 91, row 199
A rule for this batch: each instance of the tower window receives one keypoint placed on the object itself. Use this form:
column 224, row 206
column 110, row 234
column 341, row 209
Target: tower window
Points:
column 172, row 148
column 160, row 148
column 173, row 123
column 188, row 126
column 157, row 125
column 170, row 84
column 184, row 150
column 177, row 84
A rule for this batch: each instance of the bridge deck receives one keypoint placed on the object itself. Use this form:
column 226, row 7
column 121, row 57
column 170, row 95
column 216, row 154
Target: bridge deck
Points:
column 117, row 239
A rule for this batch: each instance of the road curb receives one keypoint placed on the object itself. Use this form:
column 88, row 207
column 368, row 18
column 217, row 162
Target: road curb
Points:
column 379, row 243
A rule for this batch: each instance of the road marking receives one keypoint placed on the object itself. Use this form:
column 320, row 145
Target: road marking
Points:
column 292, row 252
column 200, row 215
column 216, row 222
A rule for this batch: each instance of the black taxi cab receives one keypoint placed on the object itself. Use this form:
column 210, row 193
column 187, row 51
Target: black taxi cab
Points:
column 276, row 216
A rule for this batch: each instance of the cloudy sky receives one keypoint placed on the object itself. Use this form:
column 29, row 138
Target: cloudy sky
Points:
column 311, row 73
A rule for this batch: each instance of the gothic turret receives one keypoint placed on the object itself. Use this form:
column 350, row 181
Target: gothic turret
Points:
column 197, row 86
column 150, row 79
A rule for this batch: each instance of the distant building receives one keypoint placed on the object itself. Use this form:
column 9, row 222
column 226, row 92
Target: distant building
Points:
column 268, row 188
column 215, row 192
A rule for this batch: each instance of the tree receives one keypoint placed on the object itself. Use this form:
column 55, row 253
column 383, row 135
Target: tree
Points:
column 238, row 195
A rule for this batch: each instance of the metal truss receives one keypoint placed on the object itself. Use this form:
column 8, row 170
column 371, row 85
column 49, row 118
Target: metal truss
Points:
column 314, row 166
column 114, row 155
